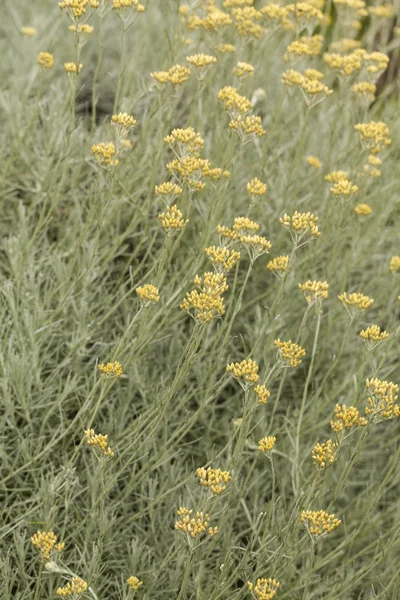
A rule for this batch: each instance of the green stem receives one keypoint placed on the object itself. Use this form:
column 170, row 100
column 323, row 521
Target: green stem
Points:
column 121, row 69
column 96, row 73
column 186, row 576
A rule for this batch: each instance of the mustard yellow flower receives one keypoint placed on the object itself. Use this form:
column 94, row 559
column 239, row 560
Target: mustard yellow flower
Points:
column 384, row 11
column 373, row 335
column 247, row 127
column 45, row 60
column 373, row 135
column 266, row 444
column 172, row 220
column 233, row 102
column 365, row 89
column 71, row 67
column 168, row 191
column 345, row 65
column 134, row 4
column 190, row 170
column 394, row 264
column 314, row 291
column 319, row 523
column 256, row 188
column 256, row 245
column 301, row 224
column 111, row 369
column 46, row 543
column 289, row 353
column 75, row 9
column 207, row 303
column 76, row 588
column 184, row 141
column 194, row 526
column 243, row 69
column 177, row 74
column 313, row 161
column 222, row 258
column 346, row 418
column 105, row 153
column 134, row 583
column 345, row 45
column 83, row 28
column 244, row 226
column 265, row 589
column 226, row 233
column 279, row 265
column 363, row 209
column 224, row 48
column 215, row 480
column 99, row 442
column 355, row 302
column 304, row 46
column 28, row 31
column 122, row 123
column 148, row 294
column 382, row 399
column 342, row 186
column 246, row 21
column 245, row 372
column 262, row 393
column 324, row 454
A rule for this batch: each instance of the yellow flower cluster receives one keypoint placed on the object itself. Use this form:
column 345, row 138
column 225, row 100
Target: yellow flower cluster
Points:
column 168, row 191
column 314, row 291
column 394, row 264
column 224, row 48
column 374, row 334
column 363, row 209
column 233, row 102
column 134, row 583
column 345, row 45
column 246, row 372
column 290, row 353
column 45, row 60
column 243, row 69
column 385, row 11
column 76, row 588
column 381, row 402
column 266, row 444
column 255, row 187
column 148, row 294
column 211, row 18
column 184, row 141
column 176, row 75
column 313, row 90
column 313, row 161
column 342, row 187
column 346, row 418
column 262, row 393
column 246, row 21
column 324, row 454
column 278, row 265
column 134, row 4
column 246, row 126
column 365, row 89
column 319, row 522
column 222, row 258
column 200, row 61
column 346, row 65
column 304, row 46
column 207, row 303
column 373, row 135
column 105, row 152
column 172, row 220
column 111, row 369
column 99, row 441
column 194, row 526
column 84, row 28
column 71, row 67
column 46, row 543
column 28, row 31
column 256, row 245
column 123, row 123
column 265, row 589
column 75, row 9
column 355, row 302
column 299, row 224
column 214, row 480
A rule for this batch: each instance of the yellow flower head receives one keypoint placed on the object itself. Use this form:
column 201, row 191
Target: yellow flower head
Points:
column 199, row 61
column 105, row 152
column 134, row 583
column 278, row 265
column 123, row 123
column 194, row 526
column 224, row 48
column 46, row 543
column 355, row 302
column 346, row 418
column 28, row 31
column 148, row 294
column 168, row 191
column 134, row 4
column 246, row 21
column 243, row 69
column 222, row 258
column 177, row 74
column 214, row 480
column 111, row 369
column 304, row 46
column 373, row 335
column 345, row 65
column 84, row 28
column 290, row 353
column 365, row 89
column 314, row 291
column 319, row 523
column 265, row 589
column 190, row 170
column 76, row 588
column 266, row 444
column 75, row 9
column 313, row 161
column 99, row 442
column 262, row 393
column 299, row 224
column 207, row 302
column 45, row 60
column 363, row 209
column 244, row 225
column 245, row 372
column 324, row 454
column 382, row 399
column 71, row 67
column 233, row 102
column 184, row 141
column 373, row 135
column 255, row 188
column 247, row 127
column 172, row 220
column 394, row 264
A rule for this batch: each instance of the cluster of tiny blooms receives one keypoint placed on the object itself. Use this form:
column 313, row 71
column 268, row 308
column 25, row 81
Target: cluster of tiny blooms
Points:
column 99, row 441
column 305, row 46
column 214, row 480
column 262, row 393
column 324, row 454
column 123, row 122
column 194, row 526
column 319, row 522
column 314, row 291
column 168, row 191
column 255, row 187
column 118, row 4
column 373, row 135
column 45, row 60
column 176, row 75
column 356, row 301
column 246, row 371
column 301, row 223
column 111, row 369
column 290, row 353
column 342, row 186
column 374, row 333
column 207, row 303
column 71, row 67
column 29, row 31
column 148, row 293
column 279, row 264
column 184, row 141
column 172, row 219
column 105, row 152
column 313, row 161
column 222, row 258
column 381, row 402
column 84, row 28
column 46, row 543
column 77, row 587
column 265, row 589
column 243, row 69
column 346, row 418
column 201, row 63
column 394, row 264
column 363, row 209
column 266, row 444
column 134, row 583
column 309, row 83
